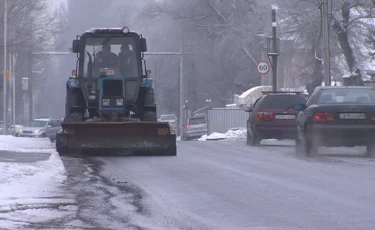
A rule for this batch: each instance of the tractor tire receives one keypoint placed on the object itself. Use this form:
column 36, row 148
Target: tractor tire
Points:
column 149, row 97
column 150, row 116
column 309, row 147
column 149, row 101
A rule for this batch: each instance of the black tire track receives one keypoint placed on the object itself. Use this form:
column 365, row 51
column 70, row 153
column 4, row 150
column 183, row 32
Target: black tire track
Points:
column 95, row 193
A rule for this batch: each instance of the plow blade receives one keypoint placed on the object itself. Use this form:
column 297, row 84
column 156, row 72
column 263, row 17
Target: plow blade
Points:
column 107, row 138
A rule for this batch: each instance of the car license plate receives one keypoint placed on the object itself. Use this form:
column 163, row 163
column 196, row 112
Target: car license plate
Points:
column 285, row 117
column 352, row 116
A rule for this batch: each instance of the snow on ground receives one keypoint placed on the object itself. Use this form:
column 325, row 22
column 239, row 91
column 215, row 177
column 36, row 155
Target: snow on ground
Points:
column 232, row 134
column 31, row 192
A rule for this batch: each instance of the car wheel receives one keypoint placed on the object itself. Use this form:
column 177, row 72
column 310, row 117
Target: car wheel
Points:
column 370, row 150
column 299, row 147
column 252, row 139
column 310, row 147
column 43, row 135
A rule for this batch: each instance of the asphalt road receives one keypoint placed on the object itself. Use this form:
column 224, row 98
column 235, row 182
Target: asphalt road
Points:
column 228, row 185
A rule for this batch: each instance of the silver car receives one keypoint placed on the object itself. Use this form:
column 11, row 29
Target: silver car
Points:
column 12, row 129
column 171, row 119
column 196, row 127
column 15, row 130
column 43, row 127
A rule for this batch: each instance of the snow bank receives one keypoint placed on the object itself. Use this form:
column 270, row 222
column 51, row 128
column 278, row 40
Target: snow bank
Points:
column 26, row 188
column 22, row 175
column 232, row 134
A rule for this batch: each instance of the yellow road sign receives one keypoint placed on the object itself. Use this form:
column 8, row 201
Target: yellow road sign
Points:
column 7, row 74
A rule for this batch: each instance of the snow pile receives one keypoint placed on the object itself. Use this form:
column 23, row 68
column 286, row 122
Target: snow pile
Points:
column 30, row 190
column 232, row 134
column 213, row 136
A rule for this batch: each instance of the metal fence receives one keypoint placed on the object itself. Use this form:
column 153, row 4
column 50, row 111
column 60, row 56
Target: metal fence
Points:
column 222, row 119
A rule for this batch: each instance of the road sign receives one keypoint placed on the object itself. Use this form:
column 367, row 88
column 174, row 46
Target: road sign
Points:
column 7, row 72
column 263, row 67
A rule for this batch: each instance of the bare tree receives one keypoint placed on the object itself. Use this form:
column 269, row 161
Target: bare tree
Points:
column 350, row 23
column 31, row 26
column 223, row 35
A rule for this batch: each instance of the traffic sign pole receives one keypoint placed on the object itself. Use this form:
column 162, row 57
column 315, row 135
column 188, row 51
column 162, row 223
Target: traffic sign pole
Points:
column 274, row 50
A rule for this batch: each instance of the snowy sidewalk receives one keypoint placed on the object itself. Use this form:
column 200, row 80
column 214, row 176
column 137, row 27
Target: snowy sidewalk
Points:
column 31, row 191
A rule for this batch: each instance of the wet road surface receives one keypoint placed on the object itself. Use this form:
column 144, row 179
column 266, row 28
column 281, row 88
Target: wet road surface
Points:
column 228, row 185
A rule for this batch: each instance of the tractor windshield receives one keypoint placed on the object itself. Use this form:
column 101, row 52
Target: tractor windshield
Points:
column 115, row 56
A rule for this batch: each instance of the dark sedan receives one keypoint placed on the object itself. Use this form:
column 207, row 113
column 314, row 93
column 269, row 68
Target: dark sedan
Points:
column 336, row 116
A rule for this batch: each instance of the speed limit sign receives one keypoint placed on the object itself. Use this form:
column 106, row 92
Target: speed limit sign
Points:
column 263, row 67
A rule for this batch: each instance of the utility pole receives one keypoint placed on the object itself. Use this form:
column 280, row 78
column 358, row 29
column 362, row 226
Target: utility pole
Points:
column 181, row 81
column 10, row 88
column 30, row 89
column 274, row 52
column 325, row 26
column 13, row 74
column 5, row 107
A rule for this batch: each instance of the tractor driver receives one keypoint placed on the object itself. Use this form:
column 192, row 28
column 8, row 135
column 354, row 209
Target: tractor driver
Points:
column 105, row 58
column 127, row 62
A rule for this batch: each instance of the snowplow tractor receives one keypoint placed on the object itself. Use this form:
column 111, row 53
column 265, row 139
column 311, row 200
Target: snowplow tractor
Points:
column 110, row 106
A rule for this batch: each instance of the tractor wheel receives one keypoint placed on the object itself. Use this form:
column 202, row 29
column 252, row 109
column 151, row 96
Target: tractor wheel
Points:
column 149, row 116
column 149, row 97
column 150, row 101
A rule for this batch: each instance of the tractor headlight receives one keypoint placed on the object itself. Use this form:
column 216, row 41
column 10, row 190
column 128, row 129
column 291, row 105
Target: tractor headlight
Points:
column 106, row 102
column 119, row 102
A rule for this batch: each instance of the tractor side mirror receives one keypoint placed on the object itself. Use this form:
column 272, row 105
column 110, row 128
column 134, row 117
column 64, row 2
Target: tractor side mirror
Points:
column 74, row 73
column 75, row 46
column 148, row 73
column 143, row 45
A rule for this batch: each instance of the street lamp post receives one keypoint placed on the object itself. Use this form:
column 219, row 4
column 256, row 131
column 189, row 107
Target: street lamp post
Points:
column 274, row 52
column 5, row 101
column 325, row 23
column 208, row 104
column 184, row 117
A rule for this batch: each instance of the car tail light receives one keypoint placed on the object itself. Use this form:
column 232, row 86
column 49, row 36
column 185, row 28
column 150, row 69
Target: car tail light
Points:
column 265, row 116
column 323, row 117
column 372, row 117
column 188, row 126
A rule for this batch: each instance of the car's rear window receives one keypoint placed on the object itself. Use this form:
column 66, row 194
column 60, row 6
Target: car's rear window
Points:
column 197, row 120
column 346, row 95
column 281, row 101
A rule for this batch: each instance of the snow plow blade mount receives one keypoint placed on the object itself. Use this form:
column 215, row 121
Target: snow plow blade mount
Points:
column 116, row 138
